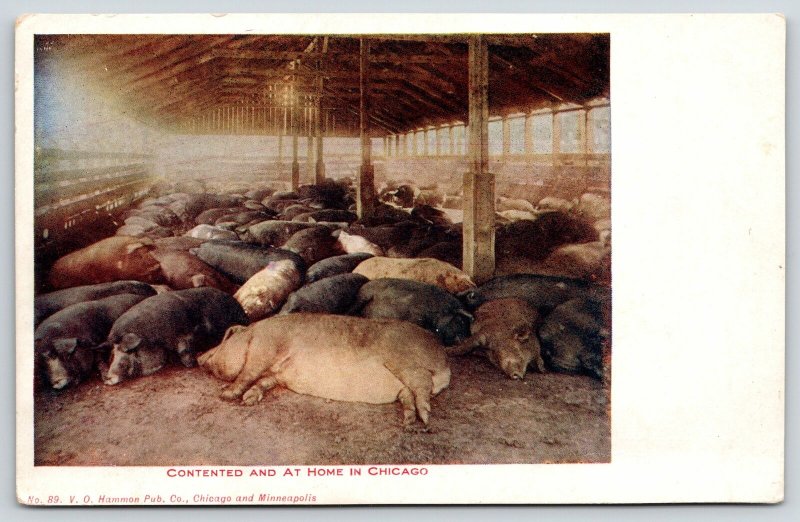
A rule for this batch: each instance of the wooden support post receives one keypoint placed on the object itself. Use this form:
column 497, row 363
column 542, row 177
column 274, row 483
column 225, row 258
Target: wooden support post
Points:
column 365, row 185
column 506, row 137
column 396, row 145
column 452, row 136
column 478, row 246
column 582, row 135
column 556, row 137
column 295, row 162
column 320, row 170
column 582, row 132
column 385, row 147
column 425, row 151
column 528, row 134
column 437, row 141
column 588, row 146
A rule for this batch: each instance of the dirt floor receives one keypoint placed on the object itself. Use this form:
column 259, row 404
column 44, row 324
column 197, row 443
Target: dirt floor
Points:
column 177, row 418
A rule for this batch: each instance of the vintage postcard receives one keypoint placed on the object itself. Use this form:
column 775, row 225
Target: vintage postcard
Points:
column 367, row 259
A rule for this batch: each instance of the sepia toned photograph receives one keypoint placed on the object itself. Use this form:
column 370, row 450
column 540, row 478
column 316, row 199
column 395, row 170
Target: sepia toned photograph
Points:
column 366, row 249
column 294, row 259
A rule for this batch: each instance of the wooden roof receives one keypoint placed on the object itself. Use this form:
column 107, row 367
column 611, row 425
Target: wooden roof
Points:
column 416, row 80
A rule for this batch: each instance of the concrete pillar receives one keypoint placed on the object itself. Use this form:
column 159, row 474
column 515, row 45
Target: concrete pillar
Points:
column 478, row 245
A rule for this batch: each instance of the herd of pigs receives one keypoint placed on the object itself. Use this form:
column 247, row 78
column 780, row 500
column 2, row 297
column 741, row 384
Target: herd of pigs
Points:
column 266, row 287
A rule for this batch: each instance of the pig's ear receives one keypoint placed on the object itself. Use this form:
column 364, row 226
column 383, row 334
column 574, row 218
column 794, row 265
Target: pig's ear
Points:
column 198, row 280
column 133, row 247
column 102, row 346
column 65, row 345
column 232, row 330
column 522, row 333
column 466, row 314
column 130, row 341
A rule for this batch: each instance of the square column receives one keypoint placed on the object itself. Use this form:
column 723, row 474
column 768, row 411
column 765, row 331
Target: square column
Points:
column 479, row 183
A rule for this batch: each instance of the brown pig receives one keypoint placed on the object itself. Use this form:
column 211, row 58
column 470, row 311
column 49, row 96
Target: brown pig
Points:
column 183, row 270
column 505, row 329
column 111, row 259
column 335, row 357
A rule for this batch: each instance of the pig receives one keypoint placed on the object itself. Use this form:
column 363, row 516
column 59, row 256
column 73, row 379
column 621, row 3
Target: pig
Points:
column 290, row 212
column 405, row 195
column 241, row 261
column 210, row 216
column 432, row 197
column 537, row 239
column 505, row 330
column 276, row 233
column 335, row 265
column 47, row 304
column 516, row 215
column 66, row 343
column 553, row 203
column 593, row 207
column 211, row 232
column 424, row 269
column 182, row 270
column 540, row 291
column 383, row 214
column 314, row 244
column 111, row 259
column 259, row 194
column 342, row 358
column 430, row 215
column 177, row 244
column 334, row 215
column 574, row 336
column 254, row 205
column 386, row 236
column 264, row 293
column 162, row 215
column 423, row 304
column 352, row 244
column 242, row 217
column 273, row 201
column 589, row 261
column 173, row 325
column 137, row 221
column 448, row 251
column 519, row 205
column 331, row 295
column 199, row 202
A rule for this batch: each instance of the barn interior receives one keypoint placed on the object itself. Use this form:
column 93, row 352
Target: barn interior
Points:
column 472, row 121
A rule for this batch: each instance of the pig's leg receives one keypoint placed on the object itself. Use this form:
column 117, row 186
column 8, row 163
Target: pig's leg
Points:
column 256, row 392
column 252, row 372
column 420, row 382
column 466, row 346
column 406, row 398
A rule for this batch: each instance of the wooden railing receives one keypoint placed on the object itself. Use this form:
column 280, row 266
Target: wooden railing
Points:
column 67, row 197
